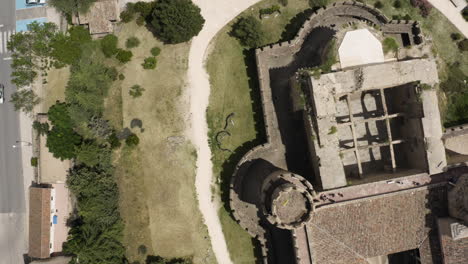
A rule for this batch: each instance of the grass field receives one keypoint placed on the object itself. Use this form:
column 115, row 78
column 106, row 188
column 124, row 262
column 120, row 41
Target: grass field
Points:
column 156, row 179
column 234, row 89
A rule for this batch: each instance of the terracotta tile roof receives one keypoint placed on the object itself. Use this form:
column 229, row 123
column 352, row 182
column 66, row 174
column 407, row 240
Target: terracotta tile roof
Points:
column 100, row 16
column 39, row 222
column 353, row 231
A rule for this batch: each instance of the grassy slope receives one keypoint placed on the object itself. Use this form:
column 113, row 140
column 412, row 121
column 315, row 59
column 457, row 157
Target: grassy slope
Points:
column 156, row 180
column 232, row 92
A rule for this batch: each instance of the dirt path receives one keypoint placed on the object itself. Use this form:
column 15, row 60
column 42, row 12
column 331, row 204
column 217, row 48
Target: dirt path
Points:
column 452, row 14
column 217, row 14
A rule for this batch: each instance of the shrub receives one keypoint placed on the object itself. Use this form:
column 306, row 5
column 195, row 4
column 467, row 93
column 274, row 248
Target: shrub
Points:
column 140, row 21
column 397, row 4
column 121, row 77
column 109, row 45
column 455, row 36
column 34, row 161
column 136, row 91
column 423, row 5
column 390, row 44
column 132, row 140
column 270, row 10
column 112, row 73
column 401, row 17
column 248, row 31
column 283, row 2
column 465, row 13
column 463, row 45
column 132, row 42
column 318, row 3
column 155, row 51
column 114, row 141
column 149, row 63
column 79, row 34
column 124, row 56
column 126, row 16
column 144, row 8
column 332, row 130
column 378, row 5
column 41, row 128
column 176, row 21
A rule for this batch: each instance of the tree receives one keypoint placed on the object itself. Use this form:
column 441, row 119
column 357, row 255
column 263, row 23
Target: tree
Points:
column 24, row 100
column 149, row 63
column 59, row 116
column 124, row 56
column 176, row 21
column 248, row 31
column 318, row 3
column 62, row 142
column 455, row 36
column 109, row 45
column 132, row 140
column 423, row 5
column 132, row 42
column 92, row 155
column 79, row 34
column 71, row 6
column 41, row 128
column 64, row 49
column 283, row 2
column 155, row 51
column 136, row 91
column 126, row 16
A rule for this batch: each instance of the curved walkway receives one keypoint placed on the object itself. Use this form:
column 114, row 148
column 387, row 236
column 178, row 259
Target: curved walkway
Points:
column 452, row 14
column 217, row 14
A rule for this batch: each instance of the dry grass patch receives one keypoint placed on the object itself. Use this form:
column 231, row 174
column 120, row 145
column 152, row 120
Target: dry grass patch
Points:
column 157, row 178
column 54, row 89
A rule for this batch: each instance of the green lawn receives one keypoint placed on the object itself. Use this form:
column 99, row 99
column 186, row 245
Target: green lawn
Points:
column 234, row 89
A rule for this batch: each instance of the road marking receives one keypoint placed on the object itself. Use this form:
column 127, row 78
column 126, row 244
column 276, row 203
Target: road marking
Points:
column 9, row 58
column 4, row 41
column 1, row 44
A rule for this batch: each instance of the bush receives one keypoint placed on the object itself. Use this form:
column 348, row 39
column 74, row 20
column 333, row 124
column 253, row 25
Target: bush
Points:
column 132, row 140
column 109, row 45
column 149, row 63
column 400, row 17
column 24, row 100
column 390, row 44
column 270, row 10
column 79, row 34
column 114, row 141
column 378, row 5
column 176, row 21
column 248, row 31
column 465, row 13
column 126, row 16
column 423, row 5
column 136, row 91
column 155, row 51
column 41, row 128
column 34, row 161
column 112, row 73
column 124, row 56
column 121, row 77
column 463, row 45
column 144, row 8
column 283, row 2
column 455, row 36
column 397, row 4
column 140, row 21
column 132, row 42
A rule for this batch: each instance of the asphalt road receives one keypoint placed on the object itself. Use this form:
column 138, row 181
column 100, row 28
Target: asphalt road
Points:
column 13, row 235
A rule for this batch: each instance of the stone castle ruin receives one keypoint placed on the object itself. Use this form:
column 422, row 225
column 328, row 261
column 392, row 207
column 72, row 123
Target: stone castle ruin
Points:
column 354, row 167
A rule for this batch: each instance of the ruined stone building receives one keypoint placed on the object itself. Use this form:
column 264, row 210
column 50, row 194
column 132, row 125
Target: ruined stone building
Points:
column 354, row 169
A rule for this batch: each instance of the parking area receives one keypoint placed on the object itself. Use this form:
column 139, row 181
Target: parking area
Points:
column 21, row 25
column 21, row 4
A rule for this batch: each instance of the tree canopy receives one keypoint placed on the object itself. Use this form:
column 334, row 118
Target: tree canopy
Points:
column 248, row 31
column 24, row 100
column 71, row 6
column 177, row 21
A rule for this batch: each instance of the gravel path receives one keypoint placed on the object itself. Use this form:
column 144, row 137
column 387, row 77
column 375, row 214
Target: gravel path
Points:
column 217, row 13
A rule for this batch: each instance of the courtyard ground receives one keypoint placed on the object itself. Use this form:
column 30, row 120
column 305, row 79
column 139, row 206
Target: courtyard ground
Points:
column 156, row 179
column 234, row 89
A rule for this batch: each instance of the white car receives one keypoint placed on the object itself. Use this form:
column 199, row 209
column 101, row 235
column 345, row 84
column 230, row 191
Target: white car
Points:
column 2, row 93
column 35, row 2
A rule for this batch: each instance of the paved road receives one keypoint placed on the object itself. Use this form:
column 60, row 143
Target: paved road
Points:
column 12, row 196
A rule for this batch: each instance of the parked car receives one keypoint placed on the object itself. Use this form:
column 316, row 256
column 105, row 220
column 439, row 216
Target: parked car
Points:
column 35, row 2
column 2, row 93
